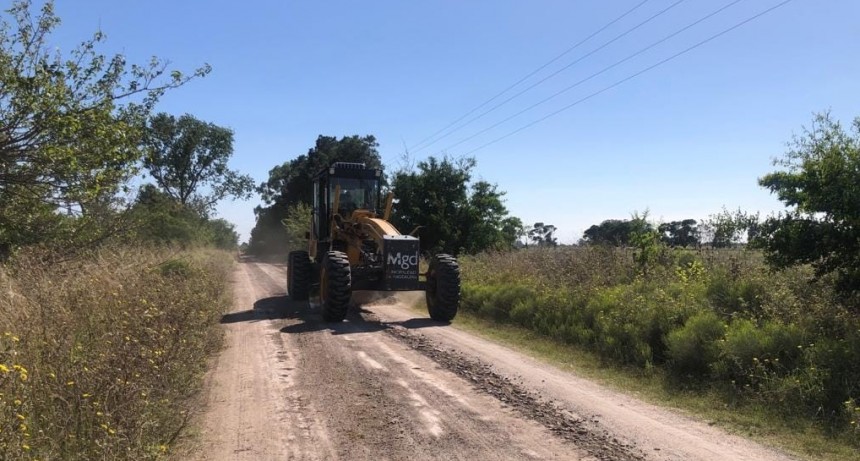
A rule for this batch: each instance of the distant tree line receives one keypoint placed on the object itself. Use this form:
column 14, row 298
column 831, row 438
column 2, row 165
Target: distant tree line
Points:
column 722, row 230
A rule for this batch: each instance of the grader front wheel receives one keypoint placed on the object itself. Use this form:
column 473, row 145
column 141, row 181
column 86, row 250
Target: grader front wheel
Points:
column 298, row 275
column 335, row 286
column 443, row 288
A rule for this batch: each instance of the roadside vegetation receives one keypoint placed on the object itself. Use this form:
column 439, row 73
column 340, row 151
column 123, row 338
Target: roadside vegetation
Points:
column 99, row 356
column 109, row 297
column 769, row 328
column 718, row 323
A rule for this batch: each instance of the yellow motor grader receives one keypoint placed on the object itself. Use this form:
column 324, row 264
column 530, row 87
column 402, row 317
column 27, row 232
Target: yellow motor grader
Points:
column 353, row 246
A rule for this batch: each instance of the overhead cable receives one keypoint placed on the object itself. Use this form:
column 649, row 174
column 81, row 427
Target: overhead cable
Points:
column 580, row 59
column 544, row 66
column 630, row 77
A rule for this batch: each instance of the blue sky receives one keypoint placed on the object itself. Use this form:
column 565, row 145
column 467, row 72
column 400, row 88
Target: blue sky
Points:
column 682, row 140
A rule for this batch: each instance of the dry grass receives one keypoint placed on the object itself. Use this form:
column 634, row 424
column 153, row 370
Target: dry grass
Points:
column 98, row 356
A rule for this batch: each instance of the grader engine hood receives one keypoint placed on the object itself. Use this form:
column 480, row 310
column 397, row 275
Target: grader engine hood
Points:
column 400, row 261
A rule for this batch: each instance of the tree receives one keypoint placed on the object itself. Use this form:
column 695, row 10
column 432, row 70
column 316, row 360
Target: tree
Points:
column 291, row 184
column 454, row 216
column 69, row 126
column 820, row 183
column 679, row 233
column 513, row 231
column 541, row 235
column 186, row 156
column 161, row 219
column 292, row 181
column 645, row 239
column 728, row 228
column 612, row 232
column 158, row 218
column 297, row 223
column 222, row 234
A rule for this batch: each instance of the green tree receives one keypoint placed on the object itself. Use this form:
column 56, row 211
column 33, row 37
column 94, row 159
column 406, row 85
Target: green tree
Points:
column 188, row 158
column 646, row 241
column 291, row 184
column 820, row 183
column 292, row 181
column 728, row 228
column 612, row 232
column 454, row 215
column 222, row 234
column 159, row 218
column 680, row 233
column 542, row 235
column 70, row 126
column 297, row 223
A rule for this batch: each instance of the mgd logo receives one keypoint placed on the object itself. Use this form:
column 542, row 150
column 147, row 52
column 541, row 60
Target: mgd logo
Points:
column 404, row 261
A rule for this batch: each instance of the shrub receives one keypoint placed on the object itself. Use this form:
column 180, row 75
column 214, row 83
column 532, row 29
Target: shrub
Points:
column 752, row 354
column 731, row 296
column 789, row 342
column 694, row 348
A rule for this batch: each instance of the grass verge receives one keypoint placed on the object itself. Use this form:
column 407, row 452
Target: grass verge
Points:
column 802, row 438
column 99, row 356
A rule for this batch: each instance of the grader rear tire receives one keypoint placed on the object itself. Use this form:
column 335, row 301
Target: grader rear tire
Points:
column 335, row 286
column 443, row 288
column 298, row 275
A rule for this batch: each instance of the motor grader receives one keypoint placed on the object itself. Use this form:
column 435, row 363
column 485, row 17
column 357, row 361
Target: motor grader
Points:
column 353, row 246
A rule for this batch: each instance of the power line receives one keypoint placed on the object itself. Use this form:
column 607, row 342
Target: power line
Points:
column 602, row 71
column 544, row 66
column 630, row 77
column 582, row 58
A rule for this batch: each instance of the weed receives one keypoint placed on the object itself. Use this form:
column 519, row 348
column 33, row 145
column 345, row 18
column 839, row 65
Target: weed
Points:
column 98, row 356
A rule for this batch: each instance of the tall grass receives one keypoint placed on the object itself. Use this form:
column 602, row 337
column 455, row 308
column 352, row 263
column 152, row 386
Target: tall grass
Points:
column 98, row 356
column 707, row 320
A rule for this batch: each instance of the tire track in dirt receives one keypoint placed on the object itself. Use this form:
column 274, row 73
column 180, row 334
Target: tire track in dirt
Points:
column 290, row 386
column 592, row 416
column 385, row 385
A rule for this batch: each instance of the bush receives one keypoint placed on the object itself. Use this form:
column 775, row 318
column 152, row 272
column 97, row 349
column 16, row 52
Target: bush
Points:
column 732, row 296
column 779, row 339
column 752, row 355
column 694, row 348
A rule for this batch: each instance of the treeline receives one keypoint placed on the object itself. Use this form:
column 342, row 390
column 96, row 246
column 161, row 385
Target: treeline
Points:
column 437, row 196
column 722, row 230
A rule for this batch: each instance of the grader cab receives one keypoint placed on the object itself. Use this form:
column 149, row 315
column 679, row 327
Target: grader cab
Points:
column 353, row 246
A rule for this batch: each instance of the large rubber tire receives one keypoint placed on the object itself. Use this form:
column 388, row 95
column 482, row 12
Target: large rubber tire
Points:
column 443, row 288
column 298, row 275
column 335, row 286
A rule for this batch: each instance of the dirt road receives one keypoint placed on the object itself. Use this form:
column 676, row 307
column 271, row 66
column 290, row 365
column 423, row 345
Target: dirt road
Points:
column 385, row 385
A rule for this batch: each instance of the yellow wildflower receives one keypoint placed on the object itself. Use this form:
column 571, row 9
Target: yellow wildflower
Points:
column 4, row 368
